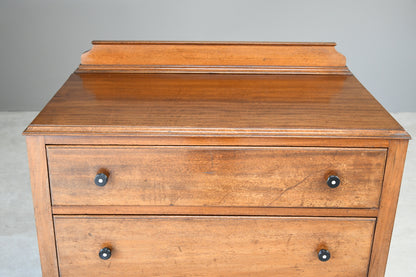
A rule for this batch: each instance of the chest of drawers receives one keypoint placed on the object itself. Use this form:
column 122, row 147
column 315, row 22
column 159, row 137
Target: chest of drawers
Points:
column 214, row 159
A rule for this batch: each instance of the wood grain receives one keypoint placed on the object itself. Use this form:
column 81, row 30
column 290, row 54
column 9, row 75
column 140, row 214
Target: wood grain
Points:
column 204, row 210
column 202, row 165
column 215, row 141
column 42, row 205
column 215, row 105
column 213, row 246
column 216, row 176
column 213, row 57
column 388, row 204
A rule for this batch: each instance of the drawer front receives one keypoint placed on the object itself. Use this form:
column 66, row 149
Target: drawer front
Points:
column 216, row 176
column 212, row 246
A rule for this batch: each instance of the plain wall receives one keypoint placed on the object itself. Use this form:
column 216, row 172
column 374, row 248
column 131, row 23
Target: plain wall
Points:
column 41, row 41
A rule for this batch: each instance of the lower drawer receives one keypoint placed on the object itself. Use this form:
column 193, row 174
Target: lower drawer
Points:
column 212, row 246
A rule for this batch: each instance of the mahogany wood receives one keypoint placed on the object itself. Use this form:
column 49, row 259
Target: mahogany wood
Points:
column 213, row 57
column 215, row 105
column 201, row 210
column 213, row 246
column 216, row 176
column 42, row 205
column 390, row 194
column 215, row 141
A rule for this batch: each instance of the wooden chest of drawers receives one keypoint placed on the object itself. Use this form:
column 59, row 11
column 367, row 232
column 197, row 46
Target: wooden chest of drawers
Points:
column 214, row 159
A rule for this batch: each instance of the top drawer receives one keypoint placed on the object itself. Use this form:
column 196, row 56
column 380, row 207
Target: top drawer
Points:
column 216, row 176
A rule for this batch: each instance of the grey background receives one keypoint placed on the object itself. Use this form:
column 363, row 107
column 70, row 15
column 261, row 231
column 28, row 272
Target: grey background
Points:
column 41, row 41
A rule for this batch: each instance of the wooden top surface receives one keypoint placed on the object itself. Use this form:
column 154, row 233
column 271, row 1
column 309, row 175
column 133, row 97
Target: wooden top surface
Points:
column 215, row 105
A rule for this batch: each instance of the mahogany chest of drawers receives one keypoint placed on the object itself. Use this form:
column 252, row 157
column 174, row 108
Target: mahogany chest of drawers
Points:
column 214, row 159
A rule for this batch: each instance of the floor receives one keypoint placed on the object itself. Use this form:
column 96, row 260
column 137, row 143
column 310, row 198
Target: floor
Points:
column 19, row 254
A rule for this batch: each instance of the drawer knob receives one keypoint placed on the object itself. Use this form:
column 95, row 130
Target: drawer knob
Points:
column 105, row 253
column 101, row 179
column 333, row 181
column 324, row 255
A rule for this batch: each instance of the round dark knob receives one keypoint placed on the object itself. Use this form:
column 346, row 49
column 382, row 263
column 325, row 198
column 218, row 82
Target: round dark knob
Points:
column 101, row 179
column 105, row 253
column 333, row 181
column 324, row 255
